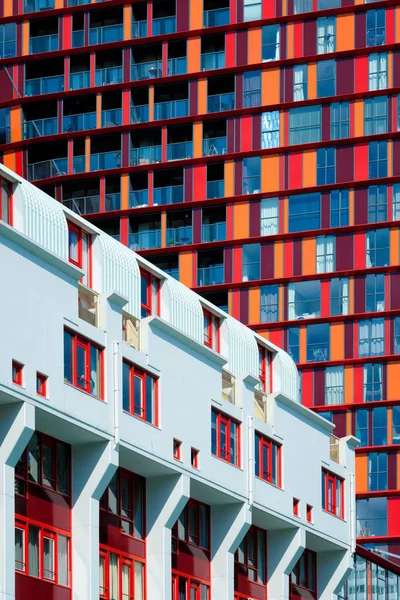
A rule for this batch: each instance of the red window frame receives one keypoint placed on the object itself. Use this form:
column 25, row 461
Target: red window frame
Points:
column 44, row 532
column 80, row 233
column 265, row 450
column 149, row 294
column 249, row 548
column 265, row 369
column 192, row 525
column 123, row 559
column 333, row 494
column 17, row 372
column 304, row 573
column 127, row 513
column 6, row 215
column 211, row 328
column 309, row 512
column 296, row 507
column 194, row 458
column 130, row 404
column 41, row 384
column 190, row 584
column 176, row 449
column 85, row 345
column 222, row 449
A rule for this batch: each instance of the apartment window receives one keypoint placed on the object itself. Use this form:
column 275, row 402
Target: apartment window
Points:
column 377, row 203
column 139, row 393
column 269, row 304
column 252, row 10
column 318, row 342
column 377, row 251
column 375, row 292
column 339, row 208
column 371, row 517
column 296, row 507
column 326, row 78
column 120, row 576
column 334, row 385
column 251, row 89
column 83, row 364
column 309, row 513
column 377, row 71
column 251, row 262
column 377, row 159
column 301, row 6
column 149, row 294
column 184, row 588
column 79, row 251
column 339, row 296
column 41, row 385
column 45, row 462
column 304, row 212
column 300, row 80
column 377, row 471
column 340, row 120
column 376, row 34
column 176, row 449
column 5, row 130
column 326, row 159
column 303, row 578
column 397, row 335
column 326, row 35
column 375, row 115
column 267, row 459
column 325, row 253
column 6, row 201
column 304, row 300
column 194, row 458
column 396, row 424
column 8, row 40
column 379, row 426
column 42, row 552
column 270, row 49
column 270, row 129
column 324, row 4
column 371, row 337
column 304, row 125
column 294, row 344
column 17, row 372
column 225, row 437
column 251, row 181
column 192, row 527
column 373, row 387
column 125, row 497
column 362, row 426
column 211, row 325
column 251, row 555
column 263, row 366
column 332, row 494
column 396, row 202
column 269, row 216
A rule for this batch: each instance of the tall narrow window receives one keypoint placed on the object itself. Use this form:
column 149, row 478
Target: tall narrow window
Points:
column 318, row 342
column 251, row 89
column 326, row 35
column 377, row 471
column 339, row 208
column 270, row 129
column 269, row 224
column 304, row 212
column 332, row 494
column 304, row 125
column 373, row 389
column 252, row 10
column 270, row 43
column 139, row 393
column 378, row 71
column 293, row 344
column 377, row 159
column 211, row 324
column 17, row 372
column 396, row 203
column 83, row 364
column 251, row 181
column 326, row 166
column 6, row 201
column 300, row 82
column 79, row 252
column 251, row 262
column 362, row 426
column 125, row 497
column 269, row 304
column 149, row 294
column 371, row 337
column 377, row 251
column 340, row 296
column 334, row 385
column 325, row 253
column 326, row 78
column 377, row 203
column 41, row 385
column 375, row 292
column 375, row 115
column 376, row 34
column 340, row 120
column 267, row 459
column 225, row 433
column 251, row 555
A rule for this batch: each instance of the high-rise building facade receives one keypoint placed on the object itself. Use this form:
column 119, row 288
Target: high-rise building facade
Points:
column 250, row 149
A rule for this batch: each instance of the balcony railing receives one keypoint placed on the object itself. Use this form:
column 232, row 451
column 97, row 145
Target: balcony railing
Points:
column 112, row 201
column 44, row 85
column 213, row 146
column 105, row 160
column 145, row 239
column 43, row 43
column 40, row 127
column 145, row 155
column 79, row 122
column 78, row 38
column 171, row 110
column 173, row 272
column 164, row 25
column 221, row 102
column 177, row 66
column 140, row 114
column 213, row 60
column 179, row 150
column 38, row 5
column 215, row 189
column 228, row 387
column 171, row 194
column 131, row 330
column 106, row 34
column 334, row 449
column 87, row 305
column 139, row 29
column 84, row 205
column 111, row 118
column 5, row 135
column 214, row 232
column 138, row 198
column 317, row 352
column 179, row 236
column 146, row 70
column 79, row 164
column 216, row 17
column 210, row 275
column 260, row 406
column 79, row 80
column 77, row 2
column 48, row 168
column 108, row 75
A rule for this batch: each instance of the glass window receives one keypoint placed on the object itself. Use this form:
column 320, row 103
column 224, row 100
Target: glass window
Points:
column 325, row 253
column 300, row 79
column 252, row 10
column 340, row 120
column 269, row 304
column 371, row 517
column 318, row 342
column 293, row 343
column 304, row 125
column 304, row 300
column 396, row 203
column 269, row 216
column 339, row 296
column 267, row 459
column 139, row 393
column 4, row 139
column 326, row 35
column 251, row 262
column 378, row 71
column 377, row 203
column 397, row 335
column 377, row 159
column 375, row 115
column 377, row 248
column 377, row 471
column 375, row 292
column 251, row 89
column 326, row 78
column 371, row 338
column 301, row 6
column 270, row 129
column 334, row 385
column 324, row 4
column 396, row 424
column 8, row 40
column 362, row 426
column 372, row 382
column 251, row 181
column 339, row 208
column 270, row 42
column 304, row 212
column 326, row 166
column 379, row 426
column 225, row 437
column 376, row 35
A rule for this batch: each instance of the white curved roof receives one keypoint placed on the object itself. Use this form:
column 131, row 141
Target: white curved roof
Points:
column 185, row 311
column 243, row 351
column 288, row 381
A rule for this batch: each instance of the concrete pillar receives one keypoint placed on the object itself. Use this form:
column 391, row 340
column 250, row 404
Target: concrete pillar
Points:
column 17, row 424
column 285, row 546
column 93, row 465
column 166, row 497
column 229, row 525
column 333, row 568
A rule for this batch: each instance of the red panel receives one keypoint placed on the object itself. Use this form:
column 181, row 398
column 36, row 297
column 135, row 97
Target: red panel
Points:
column 307, row 388
column 45, row 506
column 390, row 25
column 295, row 170
column 30, row 587
column 276, row 337
column 325, row 298
column 110, row 535
column 361, row 161
column 247, row 588
column 92, row 69
column 192, row 561
column 359, row 250
column 246, row 123
column 298, row 40
column 361, row 78
column 358, row 383
column 237, row 264
column 268, row 10
column 235, row 304
column 230, row 49
column 124, row 230
column 199, row 182
column 393, row 516
column 67, row 31
column 287, row 259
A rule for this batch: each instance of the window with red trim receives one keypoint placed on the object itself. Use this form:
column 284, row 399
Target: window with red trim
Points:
column 6, row 201
column 296, row 507
column 265, row 369
column 194, row 458
column 139, row 393
column 332, row 494
column 149, row 294
column 251, row 556
column 176, row 449
column 193, row 525
column 211, row 325
column 309, row 513
column 267, row 455
column 304, row 575
column 125, row 497
column 225, row 437
column 188, row 588
column 121, row 576
column 41, row 385
column 83, row 364
column 17, row 370
column 42, row 552
column 46, row 462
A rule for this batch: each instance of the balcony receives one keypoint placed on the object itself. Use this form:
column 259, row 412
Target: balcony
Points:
column 146, row 70
column 145, row 155
column 171, row 194
column 211, row 275
column 106, row 34
column 164, row 25
column 38, row 5
column 216, row 17
column 79, row 164
column 179, row 236
column 140, row 114
column 108, row 75
column 43, row 43
column 215, row 189
column 44, row 85
column 221, row 102
column 87, row 305
column 85, row 205
column 214, row 232
column 228, row 387
column 138, row 198
column 40, row 127
column 171, row 110
column 111, row 118
column 112, row 202
column 79, row 80
column 79, row 122
column 47, row 168
column 177, row 66
column 105, row 160
column 77, row 2
column 334, row 448
column 214, row 146
column 139, row 29
column 78, row 38
column 145, row 239
column 212, row 60
column 179, row 150
column 260, row 406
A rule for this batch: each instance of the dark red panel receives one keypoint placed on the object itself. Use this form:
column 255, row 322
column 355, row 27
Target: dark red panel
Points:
column 392, row 470
column 310, row 38
column 255, row 218
column 344, row 252
column 247, row 588
column 238, row 176
column 192, row 561
column 110, row 535
column 344, row 164
column 285, row 302
column 283, row 34
column 396, row 157
column 359, row 294
column 239, row 91
column 125, row 149
column 240, row 10
column 348, row 340
column 244, row 306
column 6, row 88
column 193, row 97
column 241, row 47
column 37, row 589
column 188, row 184
column 339, row 419
column 360, row 206
column 396, row 68
column 127, row 64
column 267, row 260
column 256, row 132
column 297, row 257
column 182, row 15
column 360, row 29
column 289, row 84
column 197, row 216
column 325, row 210
column 45, row 506
column 345, row 76
column 394, row 290
column 228, row 265
column 319, row 387
column 230, row 133
column 238, row 135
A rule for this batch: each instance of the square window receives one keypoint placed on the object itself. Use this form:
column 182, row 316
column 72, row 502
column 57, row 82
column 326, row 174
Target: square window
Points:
column 194, row 458
column 177, row 449
column 296, row 507
column 309, row 513
column 41, row 385
column 17, row 370
column 318, row 342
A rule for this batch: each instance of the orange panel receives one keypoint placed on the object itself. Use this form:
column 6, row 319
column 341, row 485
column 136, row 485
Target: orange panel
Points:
column 351, row 295
column 283, row 118
column 240, row 220
column 196, row 14
column 348, row 385
column 389, row 158
column 309, row 253
column 98, row 111
column 8, row 8
column 16, row 124
column 344, row 32
column 124, row 191
column 312, row 81
column 359, row 118
column 229, row 172
column 290, row 40
column 163, row 229
column 186, row 268
column 254, row 46
column 351, row 207
column 393, row 378
column 127, row 21
column 202, row 96
column 87, row 154
column 270, row 86
column 25, row 37
column 303, row 344
column 394, row 246
column 269, row 173
column 310, row 168
column 396, row 27
column 285, row 205
column 59, row 4
column 197, row 139
column 349, row 426
column 337, row 341
column 390, row 424
column 254, row 305
column 193, row 53
column 361, row 473
column 9, row 159
column 278, row 259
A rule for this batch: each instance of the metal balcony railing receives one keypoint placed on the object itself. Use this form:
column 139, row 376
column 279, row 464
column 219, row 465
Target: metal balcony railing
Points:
column 213, row 60
column 105, row 160
column 111, row 118
column 213, row 146
column 178, row 236
column 215, row 189
column 138, row 198
column 43, row 43
column 38, row 5
column 112, row 201
column 146, row 70
column 84, row 205
column 108, row 75
column 210, row 275
column 87, row 305
column 164, row 25
column 140, row 114
column 214, row 232
column 139, row 29
column 47, row 168
column 79, row 122
column 44, row 85
column 177, row 65
column 79, row 80
column 168, row 195
column 40, row 127
column 79, row 164
column 260, row 406
column 145, row 239
column 179, row 150
column 145, row 155
column 106, row 34
column 216, row 17
column 171, row 110
column 78, row 38
column 221, row 102
column 131, row 330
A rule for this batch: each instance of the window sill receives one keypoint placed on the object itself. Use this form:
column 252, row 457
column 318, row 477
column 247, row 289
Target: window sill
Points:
column 327, row 512
column 125, row 412
column 226, row 462
column 74, row 387
column 277, row 487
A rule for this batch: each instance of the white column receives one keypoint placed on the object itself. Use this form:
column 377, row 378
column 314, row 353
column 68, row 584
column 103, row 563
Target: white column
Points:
column 333, row 568
column 166, row 497
column 285, row 546
column 17, row 424
column 93, row 465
